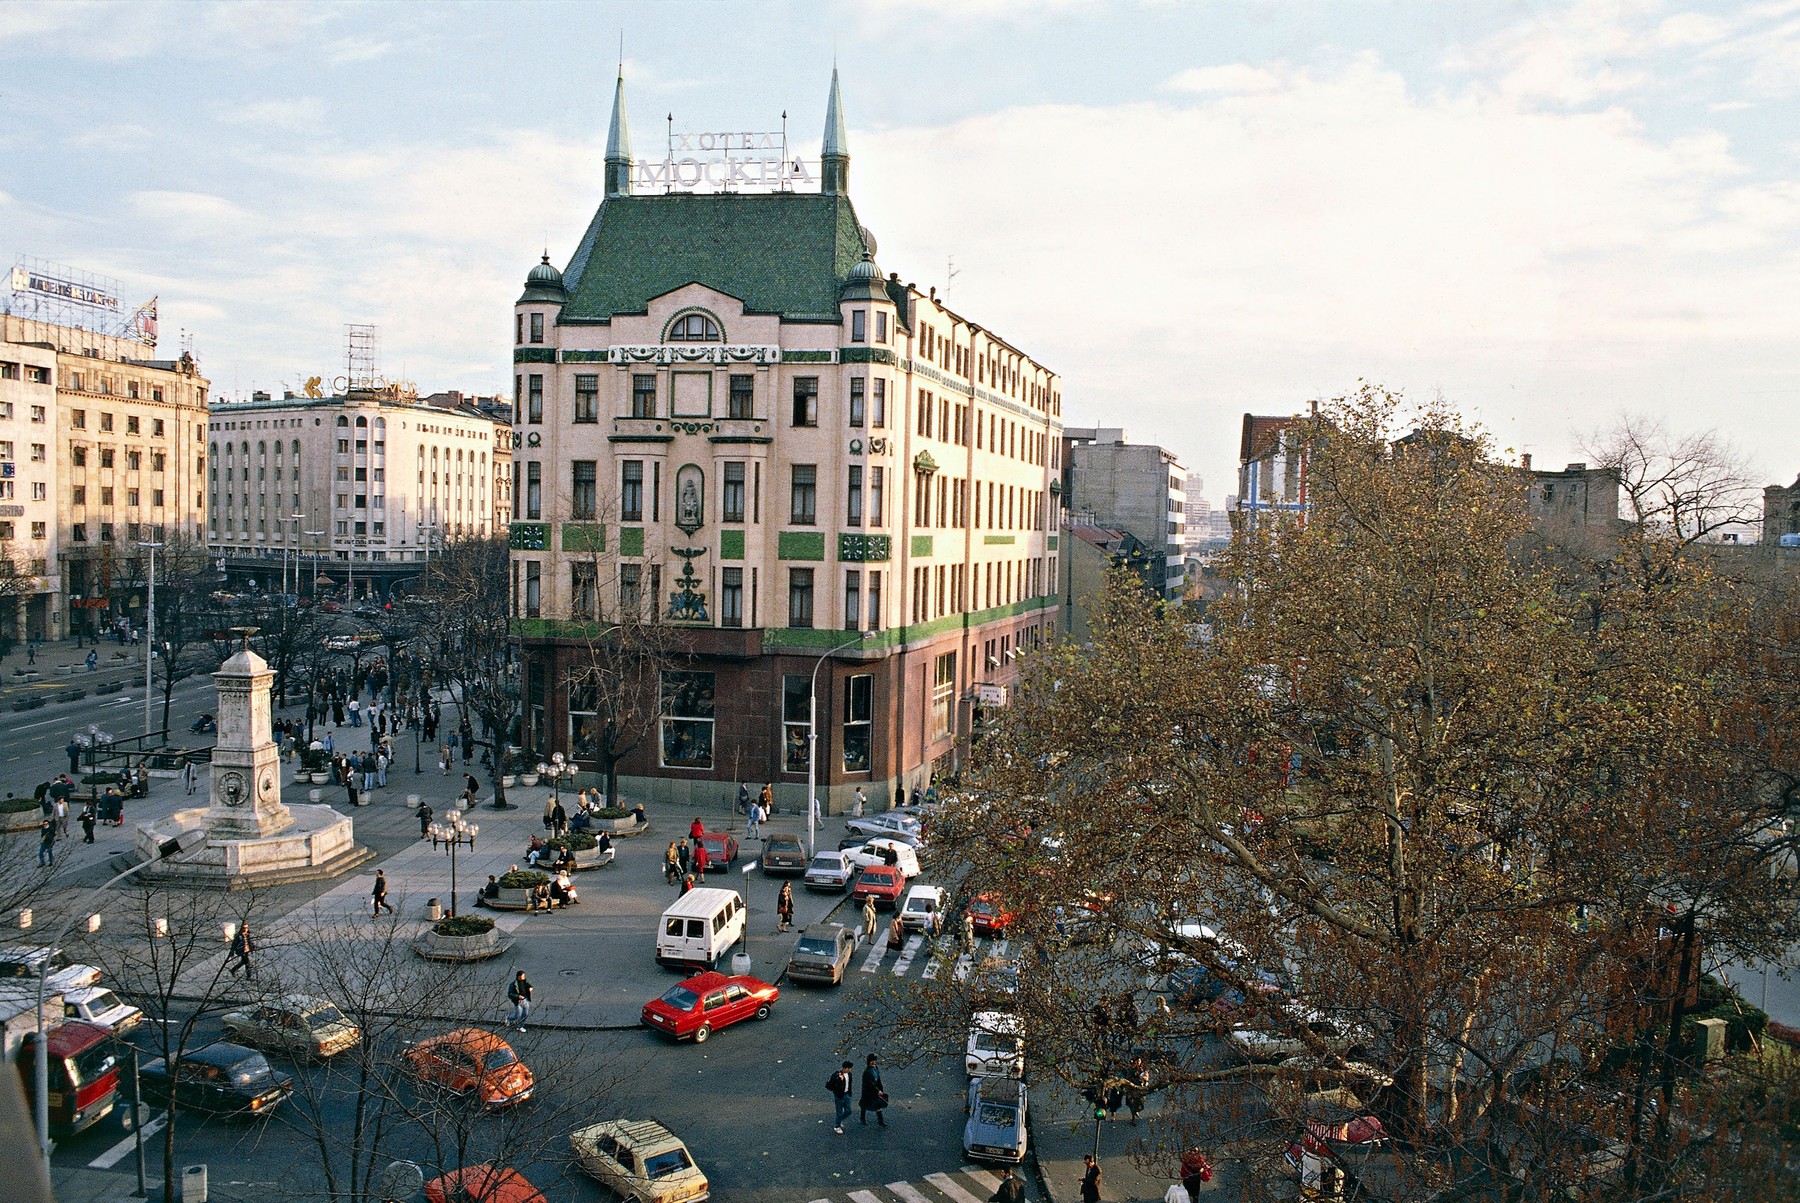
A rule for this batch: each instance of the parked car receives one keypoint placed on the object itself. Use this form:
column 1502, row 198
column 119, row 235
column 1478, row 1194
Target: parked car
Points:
column 996, row 1047
column 881, row 883
column 885, row 851
column 219, row 1079
column 829, row 871
column 102, row 1008
column 297, row 1025
column 989, row 915
column 822, row 954
column 995, row 977
column 703, row 1004
column 721, row 850
column 887, row 823
column 1275, row 1044
column 922, row 906
column 23, row 961
column 640, row 1161
column 1348, row 1084
column 1197, row 986
column 341, row 643
column 471, row 1062
column 783, row 855
column 995, row 1129
column 482, row 1184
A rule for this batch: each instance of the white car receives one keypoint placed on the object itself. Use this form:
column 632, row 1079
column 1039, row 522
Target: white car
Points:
column 1258, row 1044
column 996, row 1045
column 901, row 827
column 102, row 1008
column 21, row 962
column 829, row 871
column 921, row 904
column 875, row 852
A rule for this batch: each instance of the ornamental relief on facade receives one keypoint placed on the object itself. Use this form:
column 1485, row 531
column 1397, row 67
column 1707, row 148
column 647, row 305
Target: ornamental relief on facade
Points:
column 714, row 353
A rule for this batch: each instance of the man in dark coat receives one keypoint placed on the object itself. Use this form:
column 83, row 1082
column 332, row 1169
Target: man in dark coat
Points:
column 873, row 1097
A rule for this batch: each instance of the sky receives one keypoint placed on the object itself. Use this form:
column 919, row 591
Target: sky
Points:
column 1551, row 215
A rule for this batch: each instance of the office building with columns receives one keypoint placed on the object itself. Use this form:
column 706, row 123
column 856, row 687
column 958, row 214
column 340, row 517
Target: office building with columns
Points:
column 729, row 420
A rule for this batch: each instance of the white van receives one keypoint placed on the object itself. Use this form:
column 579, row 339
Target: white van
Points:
column 699, row 928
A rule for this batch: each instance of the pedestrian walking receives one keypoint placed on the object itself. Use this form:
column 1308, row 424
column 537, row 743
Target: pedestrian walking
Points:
column 701, row 860
column 784, row 907
column 672, row 865
column 687, row 883
column 767, row 798
column 190, row 776
column 550, row 815
column 1090, row 1179
column 559, row 819
column 378, row 895
column 74, row 751
column 873, row 1097
column 1010, row 1190
column 87, row 823
column 62, row 818
column 424, row 819
column 696, row 829
column 518, row 992
column 350, row 786
column 858, row 802
column 755, row 821
column 743, row 801
column 47, row 842
column 839, row 1086
column 241, row 948
column 968, row 933
column 445, row 759
column 355, row 709
column 31, row 652
column 93, row 661
column 686, row 853
column 869, row 923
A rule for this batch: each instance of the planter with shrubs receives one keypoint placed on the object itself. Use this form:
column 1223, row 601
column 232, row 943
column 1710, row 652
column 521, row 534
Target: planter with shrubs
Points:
column 461, row 938
column 586, row 847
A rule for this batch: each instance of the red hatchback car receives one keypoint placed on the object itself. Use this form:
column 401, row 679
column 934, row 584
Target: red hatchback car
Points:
column 702, row 1005
column 989, row 915
column 883, row 883
column 721, row 850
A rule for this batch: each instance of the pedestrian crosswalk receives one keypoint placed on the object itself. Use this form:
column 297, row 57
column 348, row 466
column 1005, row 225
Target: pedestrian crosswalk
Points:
column 966, row 1185
column 930, row 957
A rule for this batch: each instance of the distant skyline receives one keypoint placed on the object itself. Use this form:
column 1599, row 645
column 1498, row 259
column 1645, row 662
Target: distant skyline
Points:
column 1549, row 214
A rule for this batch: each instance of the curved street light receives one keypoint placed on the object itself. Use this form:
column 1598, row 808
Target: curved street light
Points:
column 453, row 832
column 812, row 738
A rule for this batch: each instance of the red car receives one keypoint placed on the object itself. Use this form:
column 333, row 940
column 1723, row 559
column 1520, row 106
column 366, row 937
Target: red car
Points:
column 721, row 850
column 883, row 883
column 989, row 915
column 482, row 1184
column 702, row 1005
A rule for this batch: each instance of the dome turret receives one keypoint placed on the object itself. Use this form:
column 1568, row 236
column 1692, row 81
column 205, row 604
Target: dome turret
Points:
column 544, row 284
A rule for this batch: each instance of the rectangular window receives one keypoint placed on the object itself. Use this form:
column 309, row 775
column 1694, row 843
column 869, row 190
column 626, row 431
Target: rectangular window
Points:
column 78, row 456
column 858, row 387
column 518, row 328
column 731, row 496
column 852, row 600
column 106, row 495
column 800, row 597
column 534, row 588
column 537, row 327
column 534, row 490
column 806, row 400
column 880, row 326
column 796, row 722
column 874, row 601
column 587, row 398
column 631, row 491
column 631, row 588
column 583, row 502
column 743, row 397
column 131, row 420
column 859, row 710
column 853, row 504
column 805, row 495
column 38, row 413
column 38, row 453
column 859, row 325
column 78, row 419
column 584, row 590
column 687, row 720
column 643, row 395
column 878, row 405
column 731, row 597
column 78, row 495
column 534, row 399
column 943, row 694
column 106, row 419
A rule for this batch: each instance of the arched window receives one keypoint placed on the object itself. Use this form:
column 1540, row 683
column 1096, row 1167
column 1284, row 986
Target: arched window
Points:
column 694, row 328
column 342, row 420
column 362, row 422
column 296, row 448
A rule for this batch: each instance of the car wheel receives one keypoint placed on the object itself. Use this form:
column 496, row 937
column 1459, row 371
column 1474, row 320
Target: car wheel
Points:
column 701, row 1033
column 762, row 1012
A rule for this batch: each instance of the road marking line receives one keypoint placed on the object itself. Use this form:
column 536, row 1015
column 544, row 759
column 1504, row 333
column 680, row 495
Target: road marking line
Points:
column 988, row 1181
column 962, row 966
column 998, row 950
column 908, row 1191
column 905, row 960
column 948, row 1185
column 877, row 950
column 122, row 1150
column 865, row 1196
column 932, row 968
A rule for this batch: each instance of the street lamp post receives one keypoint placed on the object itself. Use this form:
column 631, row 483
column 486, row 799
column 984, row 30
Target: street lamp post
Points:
column 150, row 634
column 558, row 770
column 812, row 738
column 315, row 536
column 453, row 832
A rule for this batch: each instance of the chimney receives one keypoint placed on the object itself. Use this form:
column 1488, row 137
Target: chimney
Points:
column 1525, row 461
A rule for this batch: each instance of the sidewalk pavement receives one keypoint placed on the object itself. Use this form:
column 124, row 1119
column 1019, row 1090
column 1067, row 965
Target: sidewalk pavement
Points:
column 1062, row 1127
column 61, row 664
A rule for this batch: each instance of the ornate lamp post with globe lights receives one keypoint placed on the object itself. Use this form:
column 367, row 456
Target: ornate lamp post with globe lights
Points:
column 558, row 770
column 453, row 832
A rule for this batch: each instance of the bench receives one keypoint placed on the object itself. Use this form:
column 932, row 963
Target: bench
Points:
column 509, row 900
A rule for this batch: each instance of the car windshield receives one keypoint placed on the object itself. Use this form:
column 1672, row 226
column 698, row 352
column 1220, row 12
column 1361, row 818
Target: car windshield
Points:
column 498, row 1058
column 993, row 1042
column 681, row 998
column 997, row 1115
column 103, row 1002
column 667, row 1162
column 829, row 864
column 323, row 1016
column 91, row 1063
column 783, row 843
column 982, row 906
column 250, row 1069
column 879, row 877
column 815, row 946
column 919, row 904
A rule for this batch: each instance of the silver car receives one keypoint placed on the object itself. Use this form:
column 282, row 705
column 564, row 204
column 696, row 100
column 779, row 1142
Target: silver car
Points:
column 829, row 871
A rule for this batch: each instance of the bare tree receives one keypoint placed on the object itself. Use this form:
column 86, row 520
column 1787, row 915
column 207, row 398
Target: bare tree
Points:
column 1684, row 488
column 472, row 652
column 17, row 582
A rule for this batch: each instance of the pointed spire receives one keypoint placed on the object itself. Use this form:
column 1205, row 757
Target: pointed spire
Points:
column 836, row 151
column 618, row 145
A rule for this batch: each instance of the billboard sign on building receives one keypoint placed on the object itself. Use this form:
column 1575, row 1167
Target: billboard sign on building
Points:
column 726, row 161
column 27, row 280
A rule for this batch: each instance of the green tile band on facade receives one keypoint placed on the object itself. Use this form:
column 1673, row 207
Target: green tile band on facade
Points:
column 808, row 638
column 583, row 536
column 1050, row 542
column 997, row 538
column 921, row 545
column 806, row 357
column 640, row 438
column 865, row 355
column 631, row 540
column 527, row 536
column 534, row 355
column 800, row 545
column 731, row 545
column 586, row 356
column 865, row 549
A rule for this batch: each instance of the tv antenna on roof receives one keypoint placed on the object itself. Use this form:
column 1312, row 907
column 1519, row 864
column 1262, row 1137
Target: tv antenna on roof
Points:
column 950, row 272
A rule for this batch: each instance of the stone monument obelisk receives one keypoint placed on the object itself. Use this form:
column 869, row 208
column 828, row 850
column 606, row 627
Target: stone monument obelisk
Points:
column 246, row 766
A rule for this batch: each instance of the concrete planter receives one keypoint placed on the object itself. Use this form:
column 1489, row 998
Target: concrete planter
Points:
column 509, row 780
column 21, row 820
column 434, row 947
column 528, row 779
column 619, row 827
column 320, row 778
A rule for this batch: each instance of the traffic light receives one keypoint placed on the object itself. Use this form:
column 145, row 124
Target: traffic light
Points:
column 1092, row 1094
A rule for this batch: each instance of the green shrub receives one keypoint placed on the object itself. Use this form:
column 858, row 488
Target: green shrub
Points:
column 100, row 779
column 1719, row 1001
column 15, row 806
column 463, row 925
column 316, row 760
column 610, row 812
column 519, row 879
column 580, row 841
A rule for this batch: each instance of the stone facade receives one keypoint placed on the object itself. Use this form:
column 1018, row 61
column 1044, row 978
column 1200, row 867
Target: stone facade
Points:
column 1133, row 487
column 1781, row 512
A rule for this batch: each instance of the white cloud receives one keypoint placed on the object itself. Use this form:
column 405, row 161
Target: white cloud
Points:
column 300, row 114
column 1232, row 77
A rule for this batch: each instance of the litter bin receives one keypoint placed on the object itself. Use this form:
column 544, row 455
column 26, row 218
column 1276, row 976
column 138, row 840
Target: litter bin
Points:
column 193, row 1184
column 434, row 910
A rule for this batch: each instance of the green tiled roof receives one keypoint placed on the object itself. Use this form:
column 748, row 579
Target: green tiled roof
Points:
column 784, row 253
